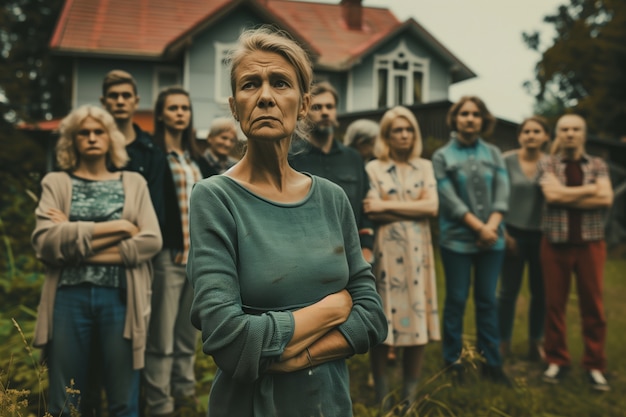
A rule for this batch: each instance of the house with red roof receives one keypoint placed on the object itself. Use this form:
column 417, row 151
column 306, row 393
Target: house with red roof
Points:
column 374, row 60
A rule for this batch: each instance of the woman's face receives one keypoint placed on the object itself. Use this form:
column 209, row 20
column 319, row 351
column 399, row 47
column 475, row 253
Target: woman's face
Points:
column 401, row 136
column 222, row 143
column 176, row 112
column 532, row 136
column 469, row 120
column 92, row 140
column 267, row 100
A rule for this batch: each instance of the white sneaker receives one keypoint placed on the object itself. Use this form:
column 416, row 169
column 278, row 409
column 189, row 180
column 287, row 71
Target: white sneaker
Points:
column 598, row 381
column 554, row 373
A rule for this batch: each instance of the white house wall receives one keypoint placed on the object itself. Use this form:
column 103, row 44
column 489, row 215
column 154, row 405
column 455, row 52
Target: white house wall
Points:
column 339, row 82
column 439, row 81
column 361, row 87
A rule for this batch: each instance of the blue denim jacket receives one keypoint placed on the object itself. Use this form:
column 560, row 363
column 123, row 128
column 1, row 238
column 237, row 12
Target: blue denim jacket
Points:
column 470, row 178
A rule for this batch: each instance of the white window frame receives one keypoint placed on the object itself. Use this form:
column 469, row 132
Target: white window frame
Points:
column 401, row 54
column 221, row 71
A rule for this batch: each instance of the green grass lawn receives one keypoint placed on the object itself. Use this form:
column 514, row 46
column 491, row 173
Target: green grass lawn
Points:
column 530, row 396
column 438, row 397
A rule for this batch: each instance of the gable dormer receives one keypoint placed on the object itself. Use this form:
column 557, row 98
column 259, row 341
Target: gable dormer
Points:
column 400, row 77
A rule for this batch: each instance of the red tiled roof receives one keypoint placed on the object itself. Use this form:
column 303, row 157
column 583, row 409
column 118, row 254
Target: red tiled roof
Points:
column 148, row 27
column 127, row 27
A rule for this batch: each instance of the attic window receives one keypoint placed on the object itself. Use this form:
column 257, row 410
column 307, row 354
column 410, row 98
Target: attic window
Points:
column 400, row 78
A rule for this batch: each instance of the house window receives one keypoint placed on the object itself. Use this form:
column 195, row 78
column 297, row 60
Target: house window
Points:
column 222, row 74
column 400, row 77
column 166, row 77
column 418, row 78
column 382, row 87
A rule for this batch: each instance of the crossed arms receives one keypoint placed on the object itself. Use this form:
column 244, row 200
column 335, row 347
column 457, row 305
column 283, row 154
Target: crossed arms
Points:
column 105, row 237
column 588, row 196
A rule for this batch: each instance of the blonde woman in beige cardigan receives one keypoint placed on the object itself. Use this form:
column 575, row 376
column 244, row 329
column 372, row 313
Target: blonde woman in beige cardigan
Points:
column 96, row 232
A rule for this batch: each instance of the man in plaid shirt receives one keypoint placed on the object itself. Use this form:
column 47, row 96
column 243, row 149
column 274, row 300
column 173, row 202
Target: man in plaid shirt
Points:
column 577, row 191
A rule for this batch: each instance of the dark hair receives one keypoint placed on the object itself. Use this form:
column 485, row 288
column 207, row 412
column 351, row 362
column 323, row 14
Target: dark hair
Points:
column 542, row 121
column 117, row 77
column 189, row 141
column 489, row 121
column 324, row 87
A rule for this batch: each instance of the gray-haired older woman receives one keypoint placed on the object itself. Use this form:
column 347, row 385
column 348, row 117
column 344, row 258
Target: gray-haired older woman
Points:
column 282, row 293
column 361, row 135
column 96, row 231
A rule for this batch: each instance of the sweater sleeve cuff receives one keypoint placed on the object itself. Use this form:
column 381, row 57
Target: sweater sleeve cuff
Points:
column 285, row 324
column 502, row 207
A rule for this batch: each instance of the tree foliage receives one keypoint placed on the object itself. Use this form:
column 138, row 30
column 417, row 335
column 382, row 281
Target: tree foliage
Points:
column 34, row 84
column 585, row 67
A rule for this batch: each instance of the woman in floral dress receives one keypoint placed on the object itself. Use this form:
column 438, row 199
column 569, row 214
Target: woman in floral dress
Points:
column 402, row 199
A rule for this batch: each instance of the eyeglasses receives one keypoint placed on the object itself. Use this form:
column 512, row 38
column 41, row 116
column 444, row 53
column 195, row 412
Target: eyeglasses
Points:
column 86, row 132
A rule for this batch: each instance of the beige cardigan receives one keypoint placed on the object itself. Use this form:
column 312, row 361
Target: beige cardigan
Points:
column 70, row 242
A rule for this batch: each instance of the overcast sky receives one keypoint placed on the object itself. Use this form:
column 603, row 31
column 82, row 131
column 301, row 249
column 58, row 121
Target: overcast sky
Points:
column 486, row 35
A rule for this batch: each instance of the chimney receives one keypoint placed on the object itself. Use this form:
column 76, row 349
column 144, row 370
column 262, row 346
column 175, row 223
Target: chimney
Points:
column 352, row 13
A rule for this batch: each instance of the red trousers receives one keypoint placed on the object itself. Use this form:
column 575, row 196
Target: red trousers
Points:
column 587, row 263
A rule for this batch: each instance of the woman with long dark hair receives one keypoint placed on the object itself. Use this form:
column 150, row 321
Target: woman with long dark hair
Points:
column 523, row 236
column 170, row 352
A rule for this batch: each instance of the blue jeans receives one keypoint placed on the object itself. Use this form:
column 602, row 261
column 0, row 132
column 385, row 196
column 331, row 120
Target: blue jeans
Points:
column 81, row 313
column 528, row 249
column 458, row 268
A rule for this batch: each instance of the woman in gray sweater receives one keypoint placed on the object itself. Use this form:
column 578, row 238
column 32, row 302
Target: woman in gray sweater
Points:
column 523, row 235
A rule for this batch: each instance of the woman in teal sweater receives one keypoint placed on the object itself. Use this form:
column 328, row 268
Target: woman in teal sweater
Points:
column 282, row 293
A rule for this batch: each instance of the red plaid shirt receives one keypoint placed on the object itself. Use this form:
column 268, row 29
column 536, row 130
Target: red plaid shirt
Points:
column 185, row 173
column 554, row 222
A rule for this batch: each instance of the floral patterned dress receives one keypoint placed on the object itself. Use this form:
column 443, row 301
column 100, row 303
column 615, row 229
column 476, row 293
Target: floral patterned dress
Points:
column 404, row 262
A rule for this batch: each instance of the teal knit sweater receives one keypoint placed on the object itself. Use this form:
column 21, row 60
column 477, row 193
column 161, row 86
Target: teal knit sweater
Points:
column 252, row 262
